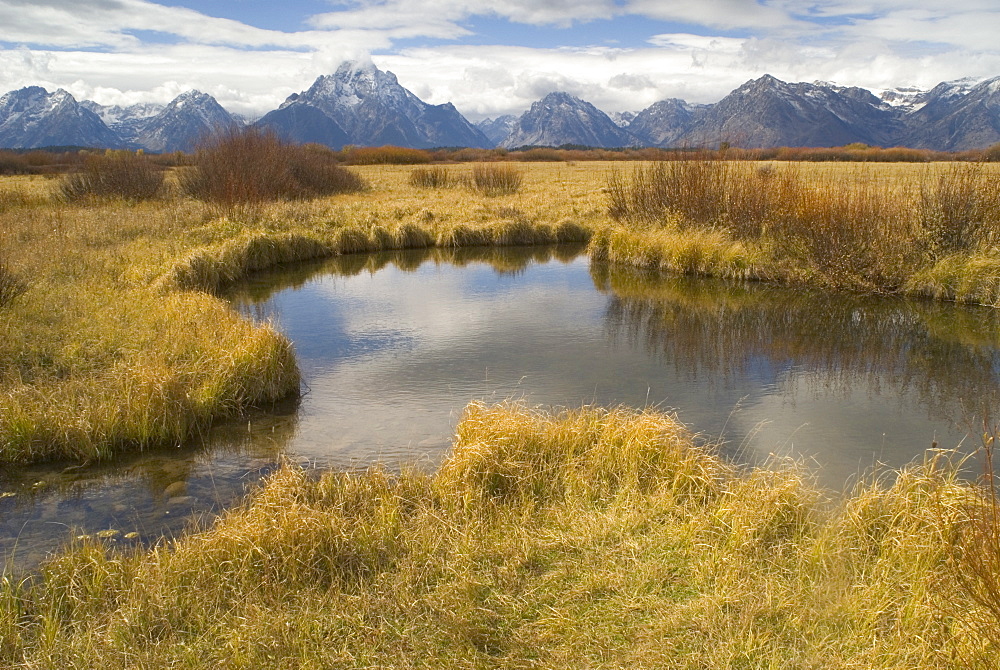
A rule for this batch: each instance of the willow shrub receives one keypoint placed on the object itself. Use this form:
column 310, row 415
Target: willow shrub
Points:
column 114, row 174
column 239, row 169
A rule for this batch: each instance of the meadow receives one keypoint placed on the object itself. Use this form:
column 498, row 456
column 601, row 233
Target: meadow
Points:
column 591, row 538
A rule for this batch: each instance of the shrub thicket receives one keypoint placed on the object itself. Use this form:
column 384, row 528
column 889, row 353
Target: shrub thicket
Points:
column 493, row 180
column 240, row 169
column 114, row 174
column 863, row 232
column 387, row 155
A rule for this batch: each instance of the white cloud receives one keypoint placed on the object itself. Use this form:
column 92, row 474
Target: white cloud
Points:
column 724, row 14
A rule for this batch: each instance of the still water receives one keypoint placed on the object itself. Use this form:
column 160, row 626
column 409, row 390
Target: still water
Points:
column 393, row 346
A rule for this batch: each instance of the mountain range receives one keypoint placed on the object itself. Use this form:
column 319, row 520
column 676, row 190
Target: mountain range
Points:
column 362, row 105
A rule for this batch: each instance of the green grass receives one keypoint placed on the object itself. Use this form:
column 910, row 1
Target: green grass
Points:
column 586, row 538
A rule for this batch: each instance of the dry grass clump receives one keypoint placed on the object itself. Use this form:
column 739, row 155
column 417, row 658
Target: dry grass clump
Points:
column 494, row 180
column 240, row 169
column 977, row 546
column 173, row 365
column 114, row 174
column 546, row 540
column 11, row 285
column 434, row 177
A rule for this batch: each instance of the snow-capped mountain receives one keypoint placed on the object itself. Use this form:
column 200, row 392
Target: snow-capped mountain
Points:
column 360, row 104
column 560, row 118
column 768, row 112
column 663, row 123
column 32, row 117
column 955, row 116
column 497, row 130
column 125, row 121
column 371, row 108
column 622, row 119
column 187, row 120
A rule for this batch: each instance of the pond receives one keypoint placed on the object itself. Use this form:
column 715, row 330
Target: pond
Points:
column 393, row 346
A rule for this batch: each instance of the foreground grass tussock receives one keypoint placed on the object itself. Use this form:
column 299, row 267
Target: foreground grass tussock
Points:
column 580, row 539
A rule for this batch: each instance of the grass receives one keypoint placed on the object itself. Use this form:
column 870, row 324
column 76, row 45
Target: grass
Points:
column 432, row 177
column 584, row 538
column 869, row 229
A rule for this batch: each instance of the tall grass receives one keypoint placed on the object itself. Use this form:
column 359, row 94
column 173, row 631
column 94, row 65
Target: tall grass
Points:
column 11, row 285
column 434, row 177
column 960, row 209
column 114, row 174
column 977, row 547
column 584, row 538
column 860, row 232
column 495, row 180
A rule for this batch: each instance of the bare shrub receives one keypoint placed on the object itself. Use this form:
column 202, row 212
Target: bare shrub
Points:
column 434, row 177
column 113, row 174
column 855, row 235
column 240, row 169
column 494, row 180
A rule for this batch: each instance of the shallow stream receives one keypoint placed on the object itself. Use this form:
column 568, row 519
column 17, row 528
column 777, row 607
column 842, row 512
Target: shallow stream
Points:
column 393, row 346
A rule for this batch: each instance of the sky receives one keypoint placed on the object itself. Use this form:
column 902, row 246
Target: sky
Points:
column 486, row 57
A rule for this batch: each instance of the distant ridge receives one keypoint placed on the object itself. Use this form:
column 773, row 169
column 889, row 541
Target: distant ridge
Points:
column 361, row 105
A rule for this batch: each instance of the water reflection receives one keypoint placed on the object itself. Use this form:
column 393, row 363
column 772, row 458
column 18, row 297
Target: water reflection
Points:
column 942, row 356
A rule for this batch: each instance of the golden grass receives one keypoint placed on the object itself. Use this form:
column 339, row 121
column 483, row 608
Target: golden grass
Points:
column 585, row 538
column 874, row 229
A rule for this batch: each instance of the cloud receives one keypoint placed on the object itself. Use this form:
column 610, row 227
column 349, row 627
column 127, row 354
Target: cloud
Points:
column 724, row 14
column 107, row 23
column 443, row 18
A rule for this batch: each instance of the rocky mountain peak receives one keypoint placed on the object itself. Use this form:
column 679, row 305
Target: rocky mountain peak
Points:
column 32, row 117
column 560, row 118
column 361, row 104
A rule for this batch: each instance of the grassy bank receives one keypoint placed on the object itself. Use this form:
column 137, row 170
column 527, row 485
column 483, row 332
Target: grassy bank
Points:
column 111, row 339
column 590, row 538
column 930, row 231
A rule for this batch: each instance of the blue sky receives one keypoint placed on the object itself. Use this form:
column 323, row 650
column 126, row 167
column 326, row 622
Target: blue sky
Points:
column 489, row 58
